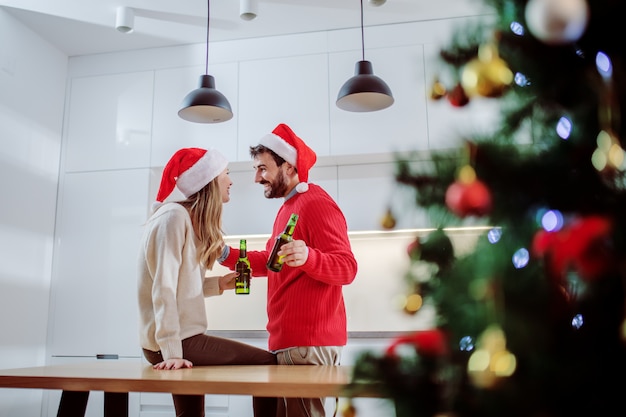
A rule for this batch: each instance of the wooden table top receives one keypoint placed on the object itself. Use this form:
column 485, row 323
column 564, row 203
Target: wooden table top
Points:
column 114, row 376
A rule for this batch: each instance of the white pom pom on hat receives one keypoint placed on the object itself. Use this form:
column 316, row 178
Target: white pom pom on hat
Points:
column 190, row 170
column 286, row 144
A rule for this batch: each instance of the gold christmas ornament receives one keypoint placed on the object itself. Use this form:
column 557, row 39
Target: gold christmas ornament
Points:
column 437, row 91
column 349, row 410
column 487, row 75
column 413, row 303
column 388, row 221
column 491, row 361
column 467, row 174
column 609, row 155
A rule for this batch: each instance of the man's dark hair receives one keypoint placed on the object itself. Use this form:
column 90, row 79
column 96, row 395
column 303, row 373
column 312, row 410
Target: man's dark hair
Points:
column 260, row 149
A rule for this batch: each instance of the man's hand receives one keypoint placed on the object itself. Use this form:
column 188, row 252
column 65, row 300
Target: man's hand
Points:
column 295, row 253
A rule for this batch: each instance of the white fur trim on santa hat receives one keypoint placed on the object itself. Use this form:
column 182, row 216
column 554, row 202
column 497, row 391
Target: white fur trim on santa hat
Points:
column 302, row 187
column 280, row 147
column 155, row 206
column 202, row 172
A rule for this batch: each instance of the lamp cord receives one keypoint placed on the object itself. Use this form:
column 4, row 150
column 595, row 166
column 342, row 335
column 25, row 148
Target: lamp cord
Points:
column 362, row 34
column 208, row 19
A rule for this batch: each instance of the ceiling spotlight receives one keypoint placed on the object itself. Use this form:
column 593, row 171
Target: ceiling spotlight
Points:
column 248, row 9
column 377, row 3
column 125, row 19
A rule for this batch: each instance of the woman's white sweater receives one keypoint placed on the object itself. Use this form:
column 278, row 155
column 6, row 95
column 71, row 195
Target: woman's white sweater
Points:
column 172, row 284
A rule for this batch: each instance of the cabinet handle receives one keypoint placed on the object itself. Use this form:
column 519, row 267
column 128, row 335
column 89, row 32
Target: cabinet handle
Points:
column 107, row 356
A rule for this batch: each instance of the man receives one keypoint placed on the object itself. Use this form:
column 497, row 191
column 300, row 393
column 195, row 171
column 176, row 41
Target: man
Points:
column 305, row 305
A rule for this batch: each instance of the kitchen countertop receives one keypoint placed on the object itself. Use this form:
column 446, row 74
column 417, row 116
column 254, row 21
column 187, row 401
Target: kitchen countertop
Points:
column 262, row 334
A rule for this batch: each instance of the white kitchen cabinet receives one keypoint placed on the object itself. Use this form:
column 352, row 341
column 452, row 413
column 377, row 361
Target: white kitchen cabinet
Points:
column 248, row 211
column 400, row 127
column 291, row 90
column 154, row 404
column 170, row 132
column 326, row 177
column 366, row 191
column 94, row 290
column 109, row 122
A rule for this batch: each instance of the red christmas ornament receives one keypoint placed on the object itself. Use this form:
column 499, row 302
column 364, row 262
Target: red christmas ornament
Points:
column 594, row 256
column 426, row 342
column 413, row 249
column 583, row 245
column 543, row 241
column 546, row 245
column 457, row 97
column 468, row 199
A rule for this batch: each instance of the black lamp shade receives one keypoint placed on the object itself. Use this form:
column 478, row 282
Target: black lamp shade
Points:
column 364, row 92
column 205, row 104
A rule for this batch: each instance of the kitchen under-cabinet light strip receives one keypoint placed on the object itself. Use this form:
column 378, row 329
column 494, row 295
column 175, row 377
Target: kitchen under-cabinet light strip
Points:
column 367, row 233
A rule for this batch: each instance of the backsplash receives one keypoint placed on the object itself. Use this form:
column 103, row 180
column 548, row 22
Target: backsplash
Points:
column 371, row 300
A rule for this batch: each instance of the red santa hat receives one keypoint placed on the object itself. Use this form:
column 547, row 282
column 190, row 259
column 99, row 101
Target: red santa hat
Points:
column 190, row 169
column 286, row 144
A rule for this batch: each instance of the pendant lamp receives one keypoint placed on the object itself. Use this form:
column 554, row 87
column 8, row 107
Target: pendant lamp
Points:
column 364, row 92
column 205, row 104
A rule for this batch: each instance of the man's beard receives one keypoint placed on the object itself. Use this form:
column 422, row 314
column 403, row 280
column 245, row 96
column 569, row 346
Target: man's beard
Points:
column 278, row 187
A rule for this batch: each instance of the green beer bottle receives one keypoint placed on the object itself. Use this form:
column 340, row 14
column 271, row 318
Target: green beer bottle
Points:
column 275, row 262
column 242, row 283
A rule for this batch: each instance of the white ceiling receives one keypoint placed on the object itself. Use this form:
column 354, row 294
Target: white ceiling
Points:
column 80, row 27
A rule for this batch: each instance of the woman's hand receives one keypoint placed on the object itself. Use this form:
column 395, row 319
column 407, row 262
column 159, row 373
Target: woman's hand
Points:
column 227, row 282
column 173, row 364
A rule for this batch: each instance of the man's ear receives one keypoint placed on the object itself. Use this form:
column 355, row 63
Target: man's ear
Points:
column 291, row 170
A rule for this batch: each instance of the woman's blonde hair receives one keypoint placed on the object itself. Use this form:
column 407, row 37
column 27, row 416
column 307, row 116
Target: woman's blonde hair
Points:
column 205, row 210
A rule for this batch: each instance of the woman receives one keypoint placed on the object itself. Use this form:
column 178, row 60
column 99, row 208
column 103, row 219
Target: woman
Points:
column 181, row 241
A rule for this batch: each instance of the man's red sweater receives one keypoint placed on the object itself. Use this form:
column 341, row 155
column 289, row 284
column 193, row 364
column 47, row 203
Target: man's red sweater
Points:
column 305, row 305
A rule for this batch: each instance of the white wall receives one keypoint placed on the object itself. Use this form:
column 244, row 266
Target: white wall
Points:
column 32, row 91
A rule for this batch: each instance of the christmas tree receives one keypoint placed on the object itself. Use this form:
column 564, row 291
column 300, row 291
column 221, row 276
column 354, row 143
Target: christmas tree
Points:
column 531, row 322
